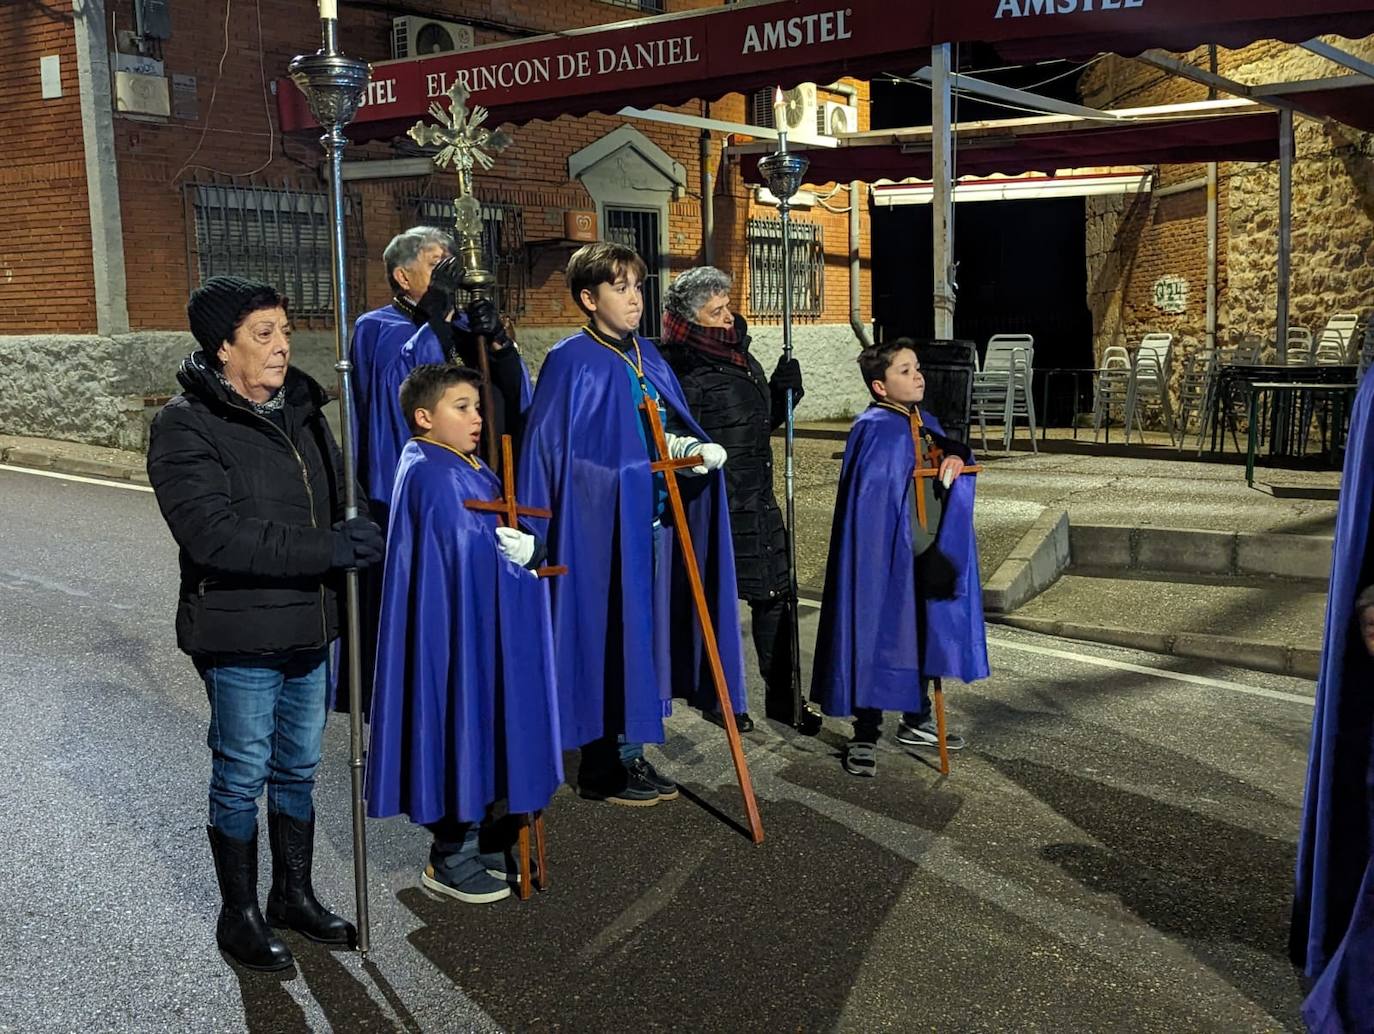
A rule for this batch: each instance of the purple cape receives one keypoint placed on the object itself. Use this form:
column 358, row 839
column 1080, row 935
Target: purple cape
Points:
column 1337, row 838
column 383, row 431
column 583, row 458
column 1342, row 1000
column 464, row 710
column 869, row 652
column 377, row 337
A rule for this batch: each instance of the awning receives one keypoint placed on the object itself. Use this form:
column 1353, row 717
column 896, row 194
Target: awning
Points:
column 1064, row 183
column 1015, row 146
column 705, row 54
column 667, row 59
column 1033, row 30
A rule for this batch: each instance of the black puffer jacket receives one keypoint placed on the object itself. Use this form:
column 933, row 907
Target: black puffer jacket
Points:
column 738, row 409
column 251, row 506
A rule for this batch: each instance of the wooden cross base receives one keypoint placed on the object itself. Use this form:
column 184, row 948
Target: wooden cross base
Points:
column 669, row 466
column 534, row 877
column 937, row 696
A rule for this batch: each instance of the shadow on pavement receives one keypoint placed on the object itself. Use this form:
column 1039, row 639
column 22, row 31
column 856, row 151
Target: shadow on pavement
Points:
column 1208, row 883
column 665, row 913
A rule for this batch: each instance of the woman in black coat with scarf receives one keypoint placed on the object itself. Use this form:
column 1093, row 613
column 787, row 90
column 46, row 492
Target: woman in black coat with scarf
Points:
column 707, row 344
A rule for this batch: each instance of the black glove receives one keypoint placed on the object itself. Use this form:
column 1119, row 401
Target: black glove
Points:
column 935, row 575
column 786, row 375
column 485, row 319
column 357, row 543
column 437, row 301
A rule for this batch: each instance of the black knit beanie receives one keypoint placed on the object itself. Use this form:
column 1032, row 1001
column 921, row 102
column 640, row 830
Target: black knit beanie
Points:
column 216, row 307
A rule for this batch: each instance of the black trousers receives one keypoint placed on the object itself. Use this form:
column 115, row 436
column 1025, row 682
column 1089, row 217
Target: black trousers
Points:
column 868, row 721
column 771, row 623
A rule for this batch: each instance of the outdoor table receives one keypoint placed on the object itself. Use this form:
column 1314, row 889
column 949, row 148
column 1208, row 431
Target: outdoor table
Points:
column 1281, row 431
column 1048, row 375
column 1233, row 379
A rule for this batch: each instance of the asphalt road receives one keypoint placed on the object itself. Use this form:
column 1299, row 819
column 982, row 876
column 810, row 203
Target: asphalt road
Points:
column 1114, row 851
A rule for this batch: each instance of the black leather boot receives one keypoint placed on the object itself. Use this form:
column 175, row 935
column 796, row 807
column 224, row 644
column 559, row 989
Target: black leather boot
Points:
column 241, row 932
column 291, row 902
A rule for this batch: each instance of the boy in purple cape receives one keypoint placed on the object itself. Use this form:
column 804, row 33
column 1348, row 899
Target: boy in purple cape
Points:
column 624, row 632
column 463, row 707
column 903, row 601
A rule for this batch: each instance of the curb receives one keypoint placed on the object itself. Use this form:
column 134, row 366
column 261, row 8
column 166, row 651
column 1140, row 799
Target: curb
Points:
column 1036, row 563
column 1240, row 554
column 55, row 459
column 1274, row 658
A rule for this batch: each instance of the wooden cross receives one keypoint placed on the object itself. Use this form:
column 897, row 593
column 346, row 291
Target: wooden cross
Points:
column 668, row 466
column 509, row 511
column 927, row 466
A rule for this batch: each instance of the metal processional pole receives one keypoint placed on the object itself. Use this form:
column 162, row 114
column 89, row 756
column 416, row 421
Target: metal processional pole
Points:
column 784, row 172
column 334, row 86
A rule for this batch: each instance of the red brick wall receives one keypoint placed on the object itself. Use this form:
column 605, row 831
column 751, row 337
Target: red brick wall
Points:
column 45, row 249
column 234, row 134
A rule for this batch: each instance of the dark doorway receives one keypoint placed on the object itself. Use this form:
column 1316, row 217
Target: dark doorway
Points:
column 639, row 228
column 1021, row 270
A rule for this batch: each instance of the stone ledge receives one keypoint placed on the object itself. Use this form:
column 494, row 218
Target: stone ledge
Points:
column 1304, row 558
column 73, row 458
column 1256, row 655
column 1034, row 564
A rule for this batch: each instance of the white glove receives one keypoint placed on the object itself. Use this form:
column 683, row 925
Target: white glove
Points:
column 680, row 446
column 947, row 479
column 515, row 545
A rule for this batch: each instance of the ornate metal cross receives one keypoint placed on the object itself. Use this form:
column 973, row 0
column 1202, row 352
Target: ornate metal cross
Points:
column 465, row 142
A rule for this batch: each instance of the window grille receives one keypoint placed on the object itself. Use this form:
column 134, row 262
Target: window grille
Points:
column 280, row 236
column 648, row 6
column 503, row 246
column 765, row 268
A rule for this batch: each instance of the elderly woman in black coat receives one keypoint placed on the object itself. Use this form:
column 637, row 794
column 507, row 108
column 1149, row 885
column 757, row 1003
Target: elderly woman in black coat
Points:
column 707, row 345
column 249, row 480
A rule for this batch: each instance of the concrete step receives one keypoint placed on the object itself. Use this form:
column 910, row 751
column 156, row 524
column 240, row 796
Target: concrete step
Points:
column 1266, row 624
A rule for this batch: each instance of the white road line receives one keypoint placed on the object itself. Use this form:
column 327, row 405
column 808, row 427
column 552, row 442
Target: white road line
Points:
column 1141, row 669
column 75, row 477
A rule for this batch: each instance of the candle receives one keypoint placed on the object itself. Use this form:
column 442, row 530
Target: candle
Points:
column 779, row 111
column 329, row 9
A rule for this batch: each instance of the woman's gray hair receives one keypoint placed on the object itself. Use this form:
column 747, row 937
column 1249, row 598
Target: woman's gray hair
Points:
column 693, row 289
column 405, row 248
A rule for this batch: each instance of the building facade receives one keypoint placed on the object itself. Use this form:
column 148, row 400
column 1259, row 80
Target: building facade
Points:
column 1147, row 253
column 145, row 153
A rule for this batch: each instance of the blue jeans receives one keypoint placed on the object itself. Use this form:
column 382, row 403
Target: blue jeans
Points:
column 266, row 724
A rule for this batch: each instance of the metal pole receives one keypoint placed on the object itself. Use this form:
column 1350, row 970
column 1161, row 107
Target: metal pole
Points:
column 784, row 173
column 942, row 203
column 708, row 201
column 334, row 86
column 1285, row 231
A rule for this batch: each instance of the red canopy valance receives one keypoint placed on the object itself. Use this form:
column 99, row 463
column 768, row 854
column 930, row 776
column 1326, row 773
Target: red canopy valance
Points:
column 704, row 54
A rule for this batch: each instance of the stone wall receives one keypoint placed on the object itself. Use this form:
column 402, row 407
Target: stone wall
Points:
column 1133, row 241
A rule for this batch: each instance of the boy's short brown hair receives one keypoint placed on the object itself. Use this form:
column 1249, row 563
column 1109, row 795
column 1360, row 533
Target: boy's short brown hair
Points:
column 603, row 262
column 425, row 385
column 875, row 359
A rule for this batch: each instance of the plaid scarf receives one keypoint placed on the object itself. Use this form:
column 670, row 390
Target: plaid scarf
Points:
column 716, row 342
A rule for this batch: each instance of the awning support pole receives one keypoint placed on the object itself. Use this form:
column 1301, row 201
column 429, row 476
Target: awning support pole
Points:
column 1285, row 232
column 942, row 204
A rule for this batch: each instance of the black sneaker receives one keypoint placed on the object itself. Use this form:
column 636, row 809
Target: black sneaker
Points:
column 621, row 784
column 926, row 734
column 742, row 720
column 861, row 759
column 643, row 768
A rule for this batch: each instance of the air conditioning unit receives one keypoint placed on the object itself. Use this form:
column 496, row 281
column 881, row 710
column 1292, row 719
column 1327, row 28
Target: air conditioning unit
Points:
column 799, row 110
column 413, row 36
column 833, row 119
